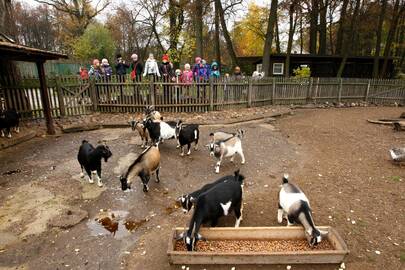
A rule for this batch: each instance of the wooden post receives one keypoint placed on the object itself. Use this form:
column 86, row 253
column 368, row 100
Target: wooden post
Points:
column 316, row 90
column 211, row 97
column 45, row 99
column 152, row 90
column 309, row 90
column 273, row 91
column 339, row 97
column 367, row 91
column 59, row 92
column 93, row 93
column 249, row 93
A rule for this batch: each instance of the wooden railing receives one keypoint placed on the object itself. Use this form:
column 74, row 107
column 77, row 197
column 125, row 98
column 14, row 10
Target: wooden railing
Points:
column 72, row 96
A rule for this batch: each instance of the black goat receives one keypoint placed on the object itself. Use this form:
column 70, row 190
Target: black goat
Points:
column 90, row 160
column 9, row 119
column 187, row 201
column 187, row 134
column 213, row 204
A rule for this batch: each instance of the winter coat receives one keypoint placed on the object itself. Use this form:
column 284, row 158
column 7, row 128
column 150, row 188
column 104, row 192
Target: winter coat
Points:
column 151, row 68
column 166, row 70
column 138, row 67
column 106, row 70
column 95, row 72
column 214, row 72
column 187, row 77
column 196, row 69
column 204, row 72
column 121, row 68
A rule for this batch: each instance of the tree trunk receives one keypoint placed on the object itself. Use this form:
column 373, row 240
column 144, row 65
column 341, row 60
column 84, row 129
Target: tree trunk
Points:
column 269, row 37
column 331, row 11
column 313, row 26
column 390, row 38
column 342, row 21
column 277, row 36
column 290, row 38
column 199, row 28
column 227, row 37
column 217, row 42
column 350, row 41
column 301, row 35
column 322, row 26
column 378, row 42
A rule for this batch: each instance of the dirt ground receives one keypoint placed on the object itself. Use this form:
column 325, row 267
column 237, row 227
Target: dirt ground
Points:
column 48, row 213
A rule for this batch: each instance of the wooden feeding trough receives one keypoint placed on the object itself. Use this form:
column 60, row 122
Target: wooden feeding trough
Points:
column 334, row 254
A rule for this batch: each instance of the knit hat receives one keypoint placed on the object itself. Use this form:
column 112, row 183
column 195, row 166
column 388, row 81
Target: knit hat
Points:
column 96, row 62
column 165, row 57
column 187, row 66
column 104, row 61
column 198, row 59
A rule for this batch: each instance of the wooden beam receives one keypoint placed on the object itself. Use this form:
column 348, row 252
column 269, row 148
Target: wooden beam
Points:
column 45, row 98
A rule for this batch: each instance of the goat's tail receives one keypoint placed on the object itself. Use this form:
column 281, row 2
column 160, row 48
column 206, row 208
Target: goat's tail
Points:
column 285, row 178
column 84, row 141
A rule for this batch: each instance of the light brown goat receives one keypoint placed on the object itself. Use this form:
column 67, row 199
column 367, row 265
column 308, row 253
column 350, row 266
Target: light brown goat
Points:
column 143, row 132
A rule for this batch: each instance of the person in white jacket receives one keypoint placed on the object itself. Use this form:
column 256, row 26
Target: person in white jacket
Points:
column 151, row 67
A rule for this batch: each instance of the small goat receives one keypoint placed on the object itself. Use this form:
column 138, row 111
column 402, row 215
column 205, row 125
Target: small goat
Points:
column 227, row 148
column 9, row 119
column 144, row 166
column 187, row 201
column 159, row 131
column 222, row 136
column 143, row 132
column 218, row 201
column 187, row 134
column 151, row 113
column 90, row 160
column 294, row 206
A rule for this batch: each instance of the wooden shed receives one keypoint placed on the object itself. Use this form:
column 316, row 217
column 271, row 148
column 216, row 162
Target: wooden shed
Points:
column 9, row 51
column 320, row 65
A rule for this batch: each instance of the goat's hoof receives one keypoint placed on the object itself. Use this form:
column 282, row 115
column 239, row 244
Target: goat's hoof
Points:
column 243, row 162
column 100, row 184
column 91, row 181
column 182, row 154
column 145, row 189
column 9, row 136
column 188, row 153
column 177, row 146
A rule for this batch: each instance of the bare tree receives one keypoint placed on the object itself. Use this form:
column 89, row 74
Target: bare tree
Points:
column 378, row 41
column 342, row 24
column 291, row 32
column 313, row 26
column 269, row 37
column 323, row 8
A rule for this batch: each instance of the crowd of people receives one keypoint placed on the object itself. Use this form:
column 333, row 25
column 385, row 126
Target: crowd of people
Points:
column 199, row 72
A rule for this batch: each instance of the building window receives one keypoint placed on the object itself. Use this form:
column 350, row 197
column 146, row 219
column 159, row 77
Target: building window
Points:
column 278, row 68
column 259, row 68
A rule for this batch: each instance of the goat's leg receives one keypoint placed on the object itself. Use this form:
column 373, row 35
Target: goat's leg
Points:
column 90, row 174
column 99, row 183
column 188, row 147
column 9, row 132
column 232, row 158
column 214, row 222
column 182, row 150
column 82, row 173
column 196, row 145
column 218, row 164
column 238, row 214
column 280, row 214
column 2, row 133
column 145, row 181
column 157, row 175
column 242, row 156
column 17, row 129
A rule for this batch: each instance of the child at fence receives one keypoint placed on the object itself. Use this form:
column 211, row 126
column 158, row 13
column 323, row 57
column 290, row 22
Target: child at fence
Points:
column 84, row 74
column 152, row 70
column 196, row 67
column 187, row 78
column 95, row 69
column 178, row 88
column 215, row 74
column 106, row 69
column 203, row 77
column 136, row 68
column 166, row 71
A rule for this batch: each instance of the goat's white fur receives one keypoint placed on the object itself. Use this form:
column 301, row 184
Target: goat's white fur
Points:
column 226, row 207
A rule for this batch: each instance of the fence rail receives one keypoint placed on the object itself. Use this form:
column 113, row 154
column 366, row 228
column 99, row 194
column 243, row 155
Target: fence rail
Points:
column 69, row 95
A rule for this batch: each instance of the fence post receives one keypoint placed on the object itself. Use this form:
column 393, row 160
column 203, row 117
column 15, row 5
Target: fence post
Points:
column 367, row 91
column 249, row 93
column 152, row 90
column 211, row 97
column 59, row 92
column 93, row 93
column 309, row 90
column 340, row 90
column 273, row 92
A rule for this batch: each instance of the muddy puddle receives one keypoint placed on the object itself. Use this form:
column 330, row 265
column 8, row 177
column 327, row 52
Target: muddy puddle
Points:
column 115, row 224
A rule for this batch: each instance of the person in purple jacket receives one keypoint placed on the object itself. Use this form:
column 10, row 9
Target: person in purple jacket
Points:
column 203, row 77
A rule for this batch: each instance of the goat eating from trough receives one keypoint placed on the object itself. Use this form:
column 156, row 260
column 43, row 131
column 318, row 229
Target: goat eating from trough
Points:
column 187, row 134
column 144, row 166
column 216, row 202
column 90, row 160
column 227, row 148
column 9, row 119
column 294, row 206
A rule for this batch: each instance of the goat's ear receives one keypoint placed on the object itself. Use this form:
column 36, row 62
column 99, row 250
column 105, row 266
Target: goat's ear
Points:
column 324, row 233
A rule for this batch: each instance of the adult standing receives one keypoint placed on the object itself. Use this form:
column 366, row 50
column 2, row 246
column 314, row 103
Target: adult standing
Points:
column 136, row 68
column 166, row 71
column 152, row 71
column 95, row 69
column 120, row 66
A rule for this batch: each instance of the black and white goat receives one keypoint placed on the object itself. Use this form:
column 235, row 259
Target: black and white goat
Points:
column 187, row 134
column 294, row 206
column 159, row 131
column 218, row 201
column 187, row 201
column 9, row 119
column 144, row 166
column 227, row 148
column 90, row 160
column 143, row 132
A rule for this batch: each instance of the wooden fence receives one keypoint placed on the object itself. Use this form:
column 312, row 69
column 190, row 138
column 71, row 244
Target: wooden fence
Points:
column 72, row 96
